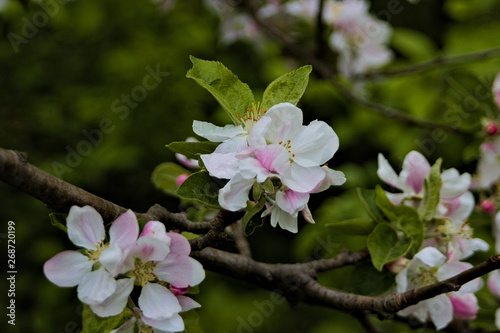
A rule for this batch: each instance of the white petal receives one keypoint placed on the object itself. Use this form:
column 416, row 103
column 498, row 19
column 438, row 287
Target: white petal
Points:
column 173, row 323
column 223, row 166
column 187, row 303
column 386, row 172
column 285, row 220
column 115, row 303
column 66, row 269
column 157, row 302
column 124, row 230
column 234, row 195
column 96, row 286
column 494, row 282
column 454, row 184
column 429, row 256
column 180, row 271
column 315, row 144
column 179, row 245
column 332, row 178
column 304, row 179
column 257, row 138
column 233, row 145
column 291, row 201
column 441, row 310
column 127, row 327
column 216, row 133
column 85, row 227
column 286, row 122
column 111, row 258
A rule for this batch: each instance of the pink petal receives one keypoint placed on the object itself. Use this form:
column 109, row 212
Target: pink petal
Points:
column 494, row 282
column 415, row 170
column 496, row 89
column 223, row 166
column 179, row 245
column 291, row 201
column 271, row 156
column 181, row 271
column 85, row 227
column 151, row 249
column 464, row 306
column 157, row 302
column 156, row 229
column 115, row 303
column 66, row 269
column 124, row 230
column 96, row 286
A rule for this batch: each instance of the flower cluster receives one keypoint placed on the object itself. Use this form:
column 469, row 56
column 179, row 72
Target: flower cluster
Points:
column 448, row 238
column 156, row 261
column 276, row 154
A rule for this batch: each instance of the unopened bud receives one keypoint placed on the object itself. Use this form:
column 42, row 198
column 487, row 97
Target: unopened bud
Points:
column 491, row 129
column 398, row 265
column 487, row 205
column 181, row 178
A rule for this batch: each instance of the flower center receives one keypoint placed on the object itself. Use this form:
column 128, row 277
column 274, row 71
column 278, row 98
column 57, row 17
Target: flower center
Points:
column 427, row 276
column 252, row 115
column 95, row 254
column 144, row 272
column 288, row 146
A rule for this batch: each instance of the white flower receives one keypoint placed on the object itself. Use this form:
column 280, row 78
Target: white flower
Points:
column 429, row 266
column 93, row 271
column 488, row 168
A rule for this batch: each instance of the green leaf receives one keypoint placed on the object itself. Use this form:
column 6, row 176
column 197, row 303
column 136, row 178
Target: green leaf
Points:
column 403, row 218
column 257, row 191
column 386, row 245
column 192, row 149
column 59, row 220
column 249, row 223
column 357, row 226
column 287, row 88
column 432, row 190
column 202, row 188
column 233, row 95
column 367, row 197
column 93, row 323
column 191, row 322
column 364, row 279
column 165, row 175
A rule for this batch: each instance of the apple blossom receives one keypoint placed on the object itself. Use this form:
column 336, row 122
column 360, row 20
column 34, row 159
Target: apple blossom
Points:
column 189, row 162
column 488, row 168
column 429, row 266
column 95, row 270
column 496, row 89
column 280, row 148
column 158, row 262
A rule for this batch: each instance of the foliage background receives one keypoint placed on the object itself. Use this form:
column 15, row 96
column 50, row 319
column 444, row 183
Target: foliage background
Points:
column 65, row 79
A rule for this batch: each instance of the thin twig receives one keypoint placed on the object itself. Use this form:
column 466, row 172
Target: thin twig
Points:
column 431, row 64
column 364, row 319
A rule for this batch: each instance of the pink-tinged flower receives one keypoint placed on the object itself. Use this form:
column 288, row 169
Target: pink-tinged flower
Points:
column 157, row 262
column 95, row 270
column 488, row 168
column 496, row 89
column 305, row 9
column 465, row 306
column 456, row 202
column 496, row 231
column 491, row 129
column 429, row 266
column 144, row 324
column 359, row 37
column 494, row 282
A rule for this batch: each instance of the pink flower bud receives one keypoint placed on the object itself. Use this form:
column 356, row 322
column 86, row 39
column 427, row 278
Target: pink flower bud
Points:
column 464, row 306
column 398, row 265
column 487, row 205
column 181, row 178
column 491, row 129
column 178, row 291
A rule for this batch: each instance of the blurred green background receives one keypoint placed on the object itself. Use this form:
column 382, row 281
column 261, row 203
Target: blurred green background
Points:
column 69, row 81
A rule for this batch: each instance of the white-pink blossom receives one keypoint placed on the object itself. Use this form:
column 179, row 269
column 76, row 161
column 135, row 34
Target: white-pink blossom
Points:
column 95, row 270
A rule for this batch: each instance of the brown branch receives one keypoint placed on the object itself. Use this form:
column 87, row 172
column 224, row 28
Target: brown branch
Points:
column 431, row 64
column 364, row 319
column 327, row 73
column 297, row 282
column 240, row 240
